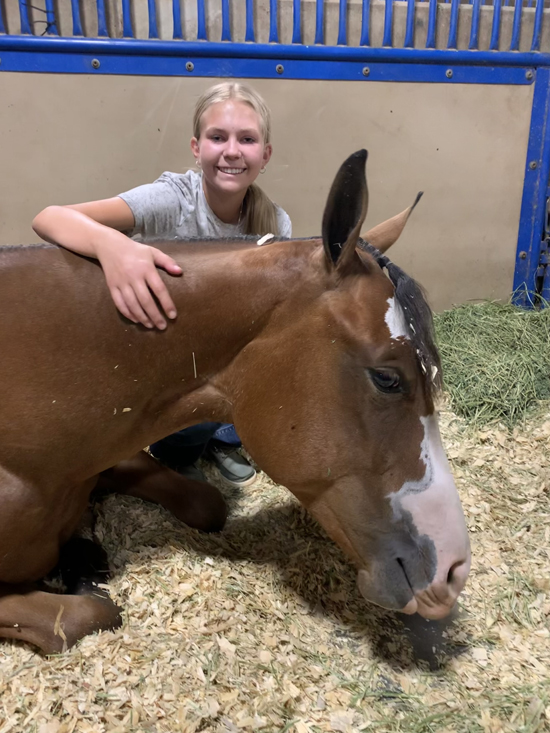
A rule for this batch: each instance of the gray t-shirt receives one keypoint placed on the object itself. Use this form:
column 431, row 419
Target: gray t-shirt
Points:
column 175, row 207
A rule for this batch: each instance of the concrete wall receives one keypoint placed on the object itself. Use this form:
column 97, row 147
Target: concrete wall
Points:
column 71, row 138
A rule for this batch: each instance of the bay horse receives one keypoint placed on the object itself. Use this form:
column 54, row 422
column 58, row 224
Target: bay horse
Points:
column 320, row 351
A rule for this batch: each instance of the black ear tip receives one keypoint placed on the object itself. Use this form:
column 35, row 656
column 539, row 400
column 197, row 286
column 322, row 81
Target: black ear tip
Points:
column 361, row 155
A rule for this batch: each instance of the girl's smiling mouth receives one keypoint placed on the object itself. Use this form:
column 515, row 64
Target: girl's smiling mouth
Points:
column 231, row 171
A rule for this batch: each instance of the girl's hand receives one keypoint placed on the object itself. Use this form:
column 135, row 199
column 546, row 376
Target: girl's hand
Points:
column 132, row 277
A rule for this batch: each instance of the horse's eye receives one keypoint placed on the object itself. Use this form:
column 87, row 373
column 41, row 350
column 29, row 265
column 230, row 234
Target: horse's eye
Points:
column 386, row 381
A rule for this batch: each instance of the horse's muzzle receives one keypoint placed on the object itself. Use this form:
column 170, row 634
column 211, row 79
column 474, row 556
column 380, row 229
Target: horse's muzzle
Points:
column 393, row 585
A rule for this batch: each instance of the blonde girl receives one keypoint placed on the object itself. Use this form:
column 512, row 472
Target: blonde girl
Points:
column 231, row 145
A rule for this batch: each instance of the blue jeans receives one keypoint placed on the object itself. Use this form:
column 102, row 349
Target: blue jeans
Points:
column 187, row 446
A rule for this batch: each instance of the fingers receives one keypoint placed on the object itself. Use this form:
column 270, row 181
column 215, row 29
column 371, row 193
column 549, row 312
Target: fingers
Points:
column 166, row 262
column 161, row 292
column 143, row 301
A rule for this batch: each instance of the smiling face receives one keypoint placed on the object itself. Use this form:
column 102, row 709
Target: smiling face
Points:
column 231, row 149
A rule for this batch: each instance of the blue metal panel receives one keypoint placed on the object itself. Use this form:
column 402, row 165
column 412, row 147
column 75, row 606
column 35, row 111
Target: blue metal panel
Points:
column 273, row 30
column 474, row 33
column 152, row 9
column 495, row 31
column 343, row 24
column 409, row 28
column 365, row 24
column 127, row 30
column 516, row 26
column 201, row 21
column 24, row 16
column 226, row 25
column 388, row 25
column 77, row 25
column 176, row 15
column 537, row 30
column 241, row 67
column 101, row 19
column 453, row 24
column 432, row 24
column 533, row 204
column 51, row 27
column 296, row 22
column 249, row 34
column 75, row 47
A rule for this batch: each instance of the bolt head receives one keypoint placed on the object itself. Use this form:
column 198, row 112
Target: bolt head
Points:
column 449, row 73
column 189, row 66
column 529, row 74
column 95, row 63
column 523, row 255
column 533, row 165
column 366, row 71
column 279, row 68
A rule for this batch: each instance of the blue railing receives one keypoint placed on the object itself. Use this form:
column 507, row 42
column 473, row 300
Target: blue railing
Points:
column 35, row 20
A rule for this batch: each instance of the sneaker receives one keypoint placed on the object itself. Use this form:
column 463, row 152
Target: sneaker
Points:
column 232, row 466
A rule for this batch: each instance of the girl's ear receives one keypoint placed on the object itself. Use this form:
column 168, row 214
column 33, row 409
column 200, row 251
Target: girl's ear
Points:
column 195, row 147
column 268, row 150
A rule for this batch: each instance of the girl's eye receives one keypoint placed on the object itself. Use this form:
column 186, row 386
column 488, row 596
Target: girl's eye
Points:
column 386, row 381
column 249, row 140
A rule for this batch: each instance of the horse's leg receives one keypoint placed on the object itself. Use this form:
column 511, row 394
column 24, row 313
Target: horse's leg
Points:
column 196, row 503
column 50, row 621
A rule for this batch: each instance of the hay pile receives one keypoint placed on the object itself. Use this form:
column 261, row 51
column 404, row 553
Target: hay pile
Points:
column 496, row 361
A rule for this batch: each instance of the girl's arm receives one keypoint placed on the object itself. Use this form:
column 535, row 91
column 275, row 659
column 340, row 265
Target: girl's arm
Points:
column 94, row 229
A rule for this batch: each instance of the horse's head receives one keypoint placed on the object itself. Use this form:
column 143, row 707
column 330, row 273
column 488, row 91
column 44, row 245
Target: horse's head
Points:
column 341, row 411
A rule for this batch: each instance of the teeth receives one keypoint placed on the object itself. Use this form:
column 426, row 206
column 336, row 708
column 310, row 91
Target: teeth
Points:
column 234, row 171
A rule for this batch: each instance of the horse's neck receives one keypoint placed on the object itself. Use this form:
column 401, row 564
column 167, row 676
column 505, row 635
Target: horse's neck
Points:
column 225, row 298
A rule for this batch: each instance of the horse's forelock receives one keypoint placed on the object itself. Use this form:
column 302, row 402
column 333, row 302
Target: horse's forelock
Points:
column 418, row 317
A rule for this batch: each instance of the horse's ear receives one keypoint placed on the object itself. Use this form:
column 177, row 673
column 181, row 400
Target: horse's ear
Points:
column 345, row 210
column 383, row 235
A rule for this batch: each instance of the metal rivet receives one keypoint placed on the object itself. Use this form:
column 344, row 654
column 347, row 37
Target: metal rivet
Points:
column 449, row 73
column 189, row 66
column 533, row 165
column 279, row 68
column 523, row 255
column 366, row 71
column 95, row 63
column 529, row 74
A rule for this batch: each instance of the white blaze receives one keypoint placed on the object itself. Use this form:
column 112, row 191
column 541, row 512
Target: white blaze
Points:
column 395, row 320
column 433, row 500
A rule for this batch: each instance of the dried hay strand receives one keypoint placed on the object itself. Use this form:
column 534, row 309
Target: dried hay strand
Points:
column 262, row 628
column 496, row 360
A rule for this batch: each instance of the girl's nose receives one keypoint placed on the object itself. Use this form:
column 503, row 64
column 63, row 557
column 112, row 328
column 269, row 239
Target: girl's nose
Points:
column 232, row 148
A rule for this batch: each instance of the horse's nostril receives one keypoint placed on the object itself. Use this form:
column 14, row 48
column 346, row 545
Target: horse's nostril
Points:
column 451, row 573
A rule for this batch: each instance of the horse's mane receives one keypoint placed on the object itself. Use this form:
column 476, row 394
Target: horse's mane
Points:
column 418, row 317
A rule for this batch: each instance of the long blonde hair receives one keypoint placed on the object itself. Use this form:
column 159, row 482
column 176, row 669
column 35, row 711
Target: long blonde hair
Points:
column 260, row 214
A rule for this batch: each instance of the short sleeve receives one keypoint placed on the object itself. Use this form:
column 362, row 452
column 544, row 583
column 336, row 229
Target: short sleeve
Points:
column 158, row 208
column 285, row 225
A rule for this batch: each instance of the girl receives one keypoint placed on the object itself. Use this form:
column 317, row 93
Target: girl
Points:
column 231, row 146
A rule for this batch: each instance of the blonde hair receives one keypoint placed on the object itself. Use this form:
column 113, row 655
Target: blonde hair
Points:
column 260, row 214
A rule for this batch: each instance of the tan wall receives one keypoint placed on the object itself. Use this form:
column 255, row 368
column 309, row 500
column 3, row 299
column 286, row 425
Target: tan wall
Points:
column 70, row 138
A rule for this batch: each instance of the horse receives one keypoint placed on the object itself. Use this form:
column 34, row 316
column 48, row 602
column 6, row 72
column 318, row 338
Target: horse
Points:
column 319, row 350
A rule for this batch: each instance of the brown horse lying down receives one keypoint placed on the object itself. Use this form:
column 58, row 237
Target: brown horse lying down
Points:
column 324, row 363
